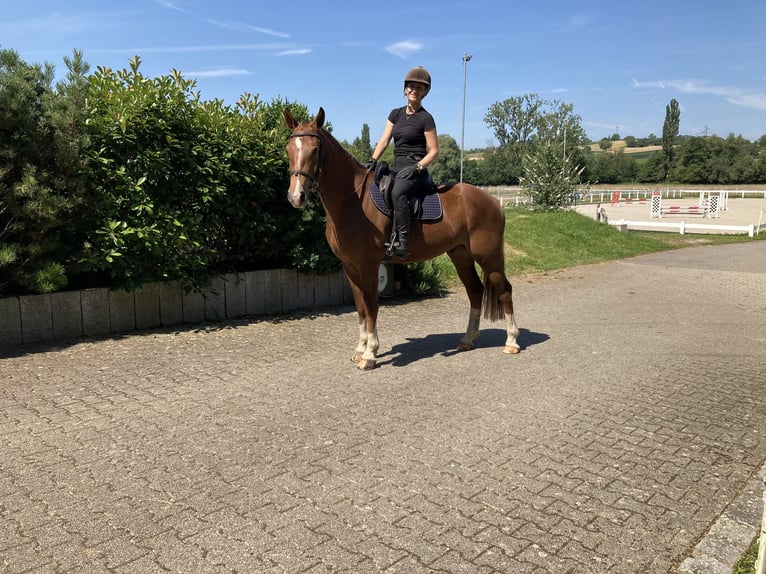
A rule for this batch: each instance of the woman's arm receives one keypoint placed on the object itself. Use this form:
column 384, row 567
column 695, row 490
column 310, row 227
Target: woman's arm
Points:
column 384, row 140
column 432, row 145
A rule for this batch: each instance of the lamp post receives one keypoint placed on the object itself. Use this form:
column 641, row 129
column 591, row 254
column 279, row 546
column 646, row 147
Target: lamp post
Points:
column 466, row 59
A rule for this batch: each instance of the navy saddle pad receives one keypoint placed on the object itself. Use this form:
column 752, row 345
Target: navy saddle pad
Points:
column 430, row 204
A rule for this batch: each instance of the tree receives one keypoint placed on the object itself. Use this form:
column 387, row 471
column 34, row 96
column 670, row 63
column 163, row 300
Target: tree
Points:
column 551, row 183
column 669, row 134
column 522, row 123
column 361, row 148
column 513, row 122
column 610, row 168
column 447, row 165
column 39, row 162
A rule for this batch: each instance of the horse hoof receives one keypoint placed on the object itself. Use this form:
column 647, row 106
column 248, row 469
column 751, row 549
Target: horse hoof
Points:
column 511, row 349
column 356, row 357
column 461, row 346
column 366, row 365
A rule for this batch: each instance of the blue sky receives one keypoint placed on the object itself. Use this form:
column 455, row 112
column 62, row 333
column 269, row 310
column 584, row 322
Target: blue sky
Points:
column 619, row 63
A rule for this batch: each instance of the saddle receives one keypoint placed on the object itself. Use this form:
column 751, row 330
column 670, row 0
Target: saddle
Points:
column 425, row 203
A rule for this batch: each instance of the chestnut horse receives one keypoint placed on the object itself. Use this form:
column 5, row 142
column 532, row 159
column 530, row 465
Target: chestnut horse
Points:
column 470, row 230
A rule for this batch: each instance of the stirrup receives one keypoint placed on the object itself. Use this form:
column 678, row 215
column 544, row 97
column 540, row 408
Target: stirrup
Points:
column 393, row 248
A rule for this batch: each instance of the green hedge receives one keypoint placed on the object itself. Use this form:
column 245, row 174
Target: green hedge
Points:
column 116, row 179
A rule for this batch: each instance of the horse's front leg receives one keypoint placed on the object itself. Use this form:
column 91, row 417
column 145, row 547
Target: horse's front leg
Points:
column 365, row 290
column 472, row 331
column 361, row 345
column 369, row 330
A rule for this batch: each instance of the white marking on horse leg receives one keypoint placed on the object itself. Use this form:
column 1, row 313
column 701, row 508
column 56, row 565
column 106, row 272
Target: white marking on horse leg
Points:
column 472, row 331
column 511, row 346
column 361, row 345
column 371, row 352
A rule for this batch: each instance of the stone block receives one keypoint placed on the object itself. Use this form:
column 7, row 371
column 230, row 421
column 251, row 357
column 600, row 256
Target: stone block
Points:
column 66, row 309
column 236, row 295
column 215, row 300
column 255, row 302
column 122, row 311
column 306, row 284
column 288, row 279
column 336, row 287
column 10, row 322
column 272, row 291
column 148, row 306
column 322, row 290
column 36, row 318
column 193, row 307
column 171, row 303
column 95, row 312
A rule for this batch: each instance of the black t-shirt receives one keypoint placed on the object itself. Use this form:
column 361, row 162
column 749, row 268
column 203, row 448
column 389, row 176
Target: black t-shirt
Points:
column 409, row 132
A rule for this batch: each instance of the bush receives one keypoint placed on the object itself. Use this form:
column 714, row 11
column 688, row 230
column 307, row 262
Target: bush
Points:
column 185, row 189
column 427, row 277
column 550, row 179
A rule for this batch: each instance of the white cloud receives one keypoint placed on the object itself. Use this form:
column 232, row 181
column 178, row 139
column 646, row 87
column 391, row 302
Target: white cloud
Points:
column 404, row 49
column 579, row 21
column 171, row 5
column 218, row 73
column 755, row 101
column 268, row 31
column 733, row 95
column 190, row 49
column 231, row 25
column 297, row 52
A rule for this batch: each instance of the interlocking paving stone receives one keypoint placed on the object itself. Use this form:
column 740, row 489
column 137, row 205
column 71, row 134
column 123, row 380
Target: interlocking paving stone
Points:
column 612, row 443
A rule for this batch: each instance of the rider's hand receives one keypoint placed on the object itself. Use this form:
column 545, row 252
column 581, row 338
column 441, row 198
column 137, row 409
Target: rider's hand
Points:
column 407, row 172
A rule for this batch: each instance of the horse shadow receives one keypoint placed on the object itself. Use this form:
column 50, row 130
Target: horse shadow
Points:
column 444, row 344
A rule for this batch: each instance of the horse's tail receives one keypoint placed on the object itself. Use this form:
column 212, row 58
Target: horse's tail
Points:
column 493, row 309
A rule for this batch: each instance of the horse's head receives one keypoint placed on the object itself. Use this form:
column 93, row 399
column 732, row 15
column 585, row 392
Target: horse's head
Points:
column 304, row 151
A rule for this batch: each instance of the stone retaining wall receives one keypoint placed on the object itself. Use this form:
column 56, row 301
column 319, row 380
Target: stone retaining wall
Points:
column 97, row 312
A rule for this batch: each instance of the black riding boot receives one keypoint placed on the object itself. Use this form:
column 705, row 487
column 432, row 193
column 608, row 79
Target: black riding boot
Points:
column 402, row 225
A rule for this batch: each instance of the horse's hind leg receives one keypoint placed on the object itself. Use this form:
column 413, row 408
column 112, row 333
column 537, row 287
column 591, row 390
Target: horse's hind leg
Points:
column 499, row 298
column 466, row 270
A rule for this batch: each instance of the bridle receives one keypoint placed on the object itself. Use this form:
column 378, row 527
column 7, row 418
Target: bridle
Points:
column 313, row 178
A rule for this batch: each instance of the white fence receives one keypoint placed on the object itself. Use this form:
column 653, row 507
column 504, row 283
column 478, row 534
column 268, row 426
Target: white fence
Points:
column 514, row 195
column 684, row 227
column 607, row 195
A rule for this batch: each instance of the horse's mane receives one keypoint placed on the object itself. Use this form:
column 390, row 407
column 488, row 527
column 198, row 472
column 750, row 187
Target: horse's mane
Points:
column 336, row 144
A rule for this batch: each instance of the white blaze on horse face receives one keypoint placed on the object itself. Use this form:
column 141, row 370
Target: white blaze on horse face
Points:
column 295, row 192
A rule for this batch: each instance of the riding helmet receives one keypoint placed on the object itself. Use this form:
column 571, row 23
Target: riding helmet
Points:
column 419, row 74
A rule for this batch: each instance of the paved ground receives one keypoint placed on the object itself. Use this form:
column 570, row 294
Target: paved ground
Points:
column 631, row 420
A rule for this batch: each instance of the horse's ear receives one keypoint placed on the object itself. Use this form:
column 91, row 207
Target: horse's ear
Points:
column 319, row 120
column 289, row 119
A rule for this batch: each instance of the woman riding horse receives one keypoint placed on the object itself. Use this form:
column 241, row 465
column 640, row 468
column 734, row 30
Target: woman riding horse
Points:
column 470, row 231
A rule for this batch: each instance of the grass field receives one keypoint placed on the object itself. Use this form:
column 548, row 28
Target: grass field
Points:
column 541, row 242
column 618, row 145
